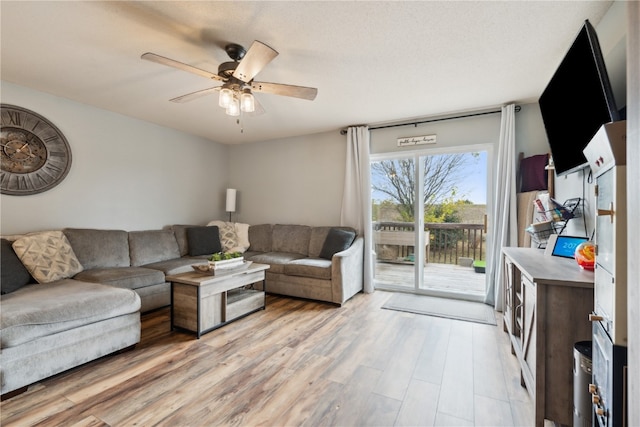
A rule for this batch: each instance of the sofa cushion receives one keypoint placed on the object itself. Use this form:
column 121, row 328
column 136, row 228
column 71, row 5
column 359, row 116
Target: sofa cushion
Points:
column 99, row 248
column 250, row 254
column 203, row 240
column 35, row 311
column 180, row 232
column 48, row 256
column 146, row 247
column 13, row 272
column 260, row 237
column 177, row 265
column 276, row 260
column 123, row 277
column 291, row 238
column 318, row 268
column 337, row 241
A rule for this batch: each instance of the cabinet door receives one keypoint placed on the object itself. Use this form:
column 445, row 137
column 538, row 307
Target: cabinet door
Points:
column 508, row 296
column 529, row 327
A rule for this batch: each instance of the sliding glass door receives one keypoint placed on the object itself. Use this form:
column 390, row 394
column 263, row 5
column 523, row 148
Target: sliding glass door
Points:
column 429, row 222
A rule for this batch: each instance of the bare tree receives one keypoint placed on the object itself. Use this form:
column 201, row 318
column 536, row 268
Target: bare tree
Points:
column 396, row 179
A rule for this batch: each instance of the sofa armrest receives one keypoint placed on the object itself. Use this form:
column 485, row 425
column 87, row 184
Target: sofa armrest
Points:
column 347, row 271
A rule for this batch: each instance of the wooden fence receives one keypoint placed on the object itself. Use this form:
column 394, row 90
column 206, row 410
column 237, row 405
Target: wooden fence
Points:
column 445, row 243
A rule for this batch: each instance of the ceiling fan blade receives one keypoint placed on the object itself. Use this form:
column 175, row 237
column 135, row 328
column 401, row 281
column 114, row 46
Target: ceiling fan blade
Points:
column 180, row 66
column 302, row 92
column 256, row 58
column 195, row 95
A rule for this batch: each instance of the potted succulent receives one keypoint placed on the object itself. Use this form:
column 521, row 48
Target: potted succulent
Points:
column 221, row 260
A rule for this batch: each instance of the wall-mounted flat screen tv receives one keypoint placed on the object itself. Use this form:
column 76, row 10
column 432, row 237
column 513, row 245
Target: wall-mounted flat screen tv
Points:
column 577, row 101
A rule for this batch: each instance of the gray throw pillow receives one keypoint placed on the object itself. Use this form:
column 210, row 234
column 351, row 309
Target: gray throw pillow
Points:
column 14, row 275
column 203, row 240
column 337, row 240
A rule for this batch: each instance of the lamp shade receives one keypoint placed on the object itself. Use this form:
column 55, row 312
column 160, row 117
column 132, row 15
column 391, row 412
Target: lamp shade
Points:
column 247, row 102
column 226, row 95
column 231, row 199
column 233, row 109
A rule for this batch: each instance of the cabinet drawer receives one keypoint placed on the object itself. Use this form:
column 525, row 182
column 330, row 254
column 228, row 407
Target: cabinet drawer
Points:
column 241, row 302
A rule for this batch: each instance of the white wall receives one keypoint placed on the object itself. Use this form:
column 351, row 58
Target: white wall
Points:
column 290, row 181
column 449, row 133
column 612, row 35
column 531, row 138
column 125, row 173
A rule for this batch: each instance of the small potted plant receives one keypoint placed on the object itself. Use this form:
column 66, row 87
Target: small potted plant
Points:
column 221, row 260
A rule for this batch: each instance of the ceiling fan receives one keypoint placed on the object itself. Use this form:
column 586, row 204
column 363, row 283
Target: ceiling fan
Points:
column 236, row 91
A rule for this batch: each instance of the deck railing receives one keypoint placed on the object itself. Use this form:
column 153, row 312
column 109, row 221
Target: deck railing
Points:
column 448, row 242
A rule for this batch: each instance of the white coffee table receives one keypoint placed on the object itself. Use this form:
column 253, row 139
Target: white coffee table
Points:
column 201, row 302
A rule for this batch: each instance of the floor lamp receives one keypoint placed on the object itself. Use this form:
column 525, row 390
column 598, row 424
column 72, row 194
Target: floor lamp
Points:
column 231, row 201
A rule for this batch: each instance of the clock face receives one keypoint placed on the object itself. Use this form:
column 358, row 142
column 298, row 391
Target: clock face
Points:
column 35, row 155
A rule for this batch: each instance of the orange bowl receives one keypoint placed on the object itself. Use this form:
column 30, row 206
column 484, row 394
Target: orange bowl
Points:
column 585, row 255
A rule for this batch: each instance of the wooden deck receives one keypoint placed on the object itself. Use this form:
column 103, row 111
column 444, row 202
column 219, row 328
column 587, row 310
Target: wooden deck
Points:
column 437, row 277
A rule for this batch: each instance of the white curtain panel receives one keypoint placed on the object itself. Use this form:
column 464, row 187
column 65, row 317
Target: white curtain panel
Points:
column 504, row 232
column 356, row 199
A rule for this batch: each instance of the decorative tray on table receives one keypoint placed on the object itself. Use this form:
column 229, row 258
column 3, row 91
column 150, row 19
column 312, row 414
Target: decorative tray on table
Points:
column 222, row 267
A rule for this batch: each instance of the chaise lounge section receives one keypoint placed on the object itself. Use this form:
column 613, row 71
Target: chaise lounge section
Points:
column 88, row 309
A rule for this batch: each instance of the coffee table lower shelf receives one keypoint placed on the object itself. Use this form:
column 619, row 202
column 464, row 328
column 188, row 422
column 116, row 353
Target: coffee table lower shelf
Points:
column 201, row 303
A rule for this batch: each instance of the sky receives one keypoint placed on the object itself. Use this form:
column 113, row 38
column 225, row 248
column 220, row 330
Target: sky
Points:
column 472, row 181
column 474, row 186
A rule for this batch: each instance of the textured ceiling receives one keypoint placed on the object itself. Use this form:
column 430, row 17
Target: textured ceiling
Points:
column 372, row 62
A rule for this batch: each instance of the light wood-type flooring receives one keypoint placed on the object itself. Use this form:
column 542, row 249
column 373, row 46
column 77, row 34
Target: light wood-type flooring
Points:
column 297, row 363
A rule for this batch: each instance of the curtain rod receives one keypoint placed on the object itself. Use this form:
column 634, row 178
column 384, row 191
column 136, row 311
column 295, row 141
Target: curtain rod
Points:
column 517, row 108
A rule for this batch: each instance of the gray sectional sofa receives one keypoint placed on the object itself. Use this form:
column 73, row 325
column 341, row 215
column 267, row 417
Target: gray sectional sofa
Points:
column 92, row 307
column 319, row 263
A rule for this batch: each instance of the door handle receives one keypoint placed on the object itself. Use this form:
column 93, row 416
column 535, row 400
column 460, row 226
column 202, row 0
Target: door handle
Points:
column 607, row 212
column 595, row 318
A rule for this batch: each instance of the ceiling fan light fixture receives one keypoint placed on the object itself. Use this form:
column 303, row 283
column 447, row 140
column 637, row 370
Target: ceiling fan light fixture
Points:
column 247, row 101
column 226, row 96
column 233, row 109
column 236, row 93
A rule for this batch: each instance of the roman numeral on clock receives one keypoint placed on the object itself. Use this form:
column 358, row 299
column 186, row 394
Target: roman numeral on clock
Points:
column 42, row 179
column 14, row 118
column 53, row 168
column 51, row 139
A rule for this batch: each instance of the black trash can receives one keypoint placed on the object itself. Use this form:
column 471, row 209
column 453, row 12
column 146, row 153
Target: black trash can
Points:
column 582, row 408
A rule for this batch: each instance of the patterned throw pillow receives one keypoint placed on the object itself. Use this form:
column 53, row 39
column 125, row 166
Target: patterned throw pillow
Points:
column 234, row 236
column 228, row 235
column 48, row 256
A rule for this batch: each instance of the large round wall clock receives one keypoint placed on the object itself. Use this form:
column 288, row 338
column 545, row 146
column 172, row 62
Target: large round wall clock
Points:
column 35, row 154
